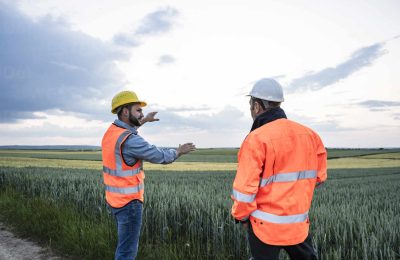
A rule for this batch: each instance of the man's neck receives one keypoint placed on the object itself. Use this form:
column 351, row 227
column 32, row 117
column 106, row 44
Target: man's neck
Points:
column 127, row 122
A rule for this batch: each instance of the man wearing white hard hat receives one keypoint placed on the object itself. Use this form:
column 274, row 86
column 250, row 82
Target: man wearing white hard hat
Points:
column 279, row 164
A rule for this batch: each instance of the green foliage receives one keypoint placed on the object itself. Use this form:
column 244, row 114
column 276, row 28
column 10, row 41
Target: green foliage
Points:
column 355, row 215
column 58, row 225
column 200, row 155
column 340, row 153
column 53, row 154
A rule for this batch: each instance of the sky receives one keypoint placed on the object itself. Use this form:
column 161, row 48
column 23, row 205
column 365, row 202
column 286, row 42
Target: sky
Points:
column 61, row 62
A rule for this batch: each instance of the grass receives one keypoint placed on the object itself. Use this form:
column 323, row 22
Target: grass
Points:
column 371, row 161
column 355, row 215
column 228, row 155
column 394, row 156
column 362, row 162
column 61, row 227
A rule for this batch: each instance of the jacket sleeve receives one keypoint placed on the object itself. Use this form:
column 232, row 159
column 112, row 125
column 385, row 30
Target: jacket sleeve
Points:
column 135, row 147
column 251, row 159
column 322, row 161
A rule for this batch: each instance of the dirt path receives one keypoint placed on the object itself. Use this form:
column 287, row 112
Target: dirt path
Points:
column 13, row 248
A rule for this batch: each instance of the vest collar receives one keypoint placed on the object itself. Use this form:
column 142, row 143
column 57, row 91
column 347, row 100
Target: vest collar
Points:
column 122, row 124
column 267, row 117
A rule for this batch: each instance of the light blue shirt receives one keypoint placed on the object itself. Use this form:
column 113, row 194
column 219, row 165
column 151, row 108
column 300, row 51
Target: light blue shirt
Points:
column 135, row 147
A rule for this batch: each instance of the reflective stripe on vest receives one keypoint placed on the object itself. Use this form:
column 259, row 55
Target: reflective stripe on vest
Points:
column 125, row 190
column 288, row 177
column 279, row 219
column 118, row 160
column 243, row 197
column 118, row 152
column 121, row 173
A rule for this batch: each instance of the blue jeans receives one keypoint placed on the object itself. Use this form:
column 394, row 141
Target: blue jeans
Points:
column 129, row 221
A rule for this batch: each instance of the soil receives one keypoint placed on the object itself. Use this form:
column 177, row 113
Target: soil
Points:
column 14, row 248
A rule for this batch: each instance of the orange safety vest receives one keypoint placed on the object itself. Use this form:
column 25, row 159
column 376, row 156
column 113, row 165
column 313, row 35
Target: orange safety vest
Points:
column 123, row 182
column 279, row 165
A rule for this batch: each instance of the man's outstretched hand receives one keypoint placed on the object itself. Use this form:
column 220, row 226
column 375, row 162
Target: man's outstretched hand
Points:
column 150, row 117
column 185, row 148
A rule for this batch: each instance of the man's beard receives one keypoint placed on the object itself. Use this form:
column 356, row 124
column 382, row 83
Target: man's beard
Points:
column 133, row 120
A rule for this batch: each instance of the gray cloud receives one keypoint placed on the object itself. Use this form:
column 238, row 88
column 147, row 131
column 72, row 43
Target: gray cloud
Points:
column 361, row 58
column 51, row 130
column 126, row 40
column 378, row 109
column 187, row 108
column 165, row 59
column 157, row 22
column 45, row 65
column 379, row 104
column 228, row 119
column 154, row 23
column 330, row 125
column 225, row 128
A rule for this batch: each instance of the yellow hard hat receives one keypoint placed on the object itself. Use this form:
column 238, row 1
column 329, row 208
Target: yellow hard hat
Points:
column 123, row 98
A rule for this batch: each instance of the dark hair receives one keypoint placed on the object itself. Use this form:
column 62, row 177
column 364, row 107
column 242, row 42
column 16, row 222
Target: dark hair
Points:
column 264, row 103
column 259, row 101
column 127, row 106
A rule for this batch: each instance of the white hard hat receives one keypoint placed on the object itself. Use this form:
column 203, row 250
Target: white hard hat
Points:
column 267, row 89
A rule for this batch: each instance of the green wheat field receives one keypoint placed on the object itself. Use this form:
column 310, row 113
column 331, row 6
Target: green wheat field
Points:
column 56, row 197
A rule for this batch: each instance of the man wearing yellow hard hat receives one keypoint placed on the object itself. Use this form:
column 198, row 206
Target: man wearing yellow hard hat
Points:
column 123, row 152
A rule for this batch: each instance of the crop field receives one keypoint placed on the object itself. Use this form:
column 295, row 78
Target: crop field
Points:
column 201, row 155
column 57, row 197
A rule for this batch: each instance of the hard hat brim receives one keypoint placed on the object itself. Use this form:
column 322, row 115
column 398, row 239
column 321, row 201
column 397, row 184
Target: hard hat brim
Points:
column 266, row 99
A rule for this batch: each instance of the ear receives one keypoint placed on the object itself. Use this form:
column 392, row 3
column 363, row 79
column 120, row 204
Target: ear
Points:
column 125, row 112
column 257, row 107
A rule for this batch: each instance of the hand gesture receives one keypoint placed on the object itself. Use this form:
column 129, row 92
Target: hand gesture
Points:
column 150, row 117
column 185, row 148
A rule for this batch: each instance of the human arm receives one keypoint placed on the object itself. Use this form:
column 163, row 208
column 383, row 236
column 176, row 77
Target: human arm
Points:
column 135, row 147
column 322, row 161
column 251, row 158
column 185, row 148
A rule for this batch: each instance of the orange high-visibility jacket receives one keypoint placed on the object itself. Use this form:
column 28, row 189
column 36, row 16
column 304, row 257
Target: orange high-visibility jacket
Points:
column 123, row 183
column 279, row 165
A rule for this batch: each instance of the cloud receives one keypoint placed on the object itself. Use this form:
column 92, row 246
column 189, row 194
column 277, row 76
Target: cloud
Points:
column 154, row 23
column 126, row 40
column 45, row 65
column 378, row 109
column 361, row 58
column 226, row 128
column 157, row 22
column 187, row 108
column 379, row 104
column 228, row 119
column 232, row 119
column 165, row 60
column 48, row 131
column 330, row 125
